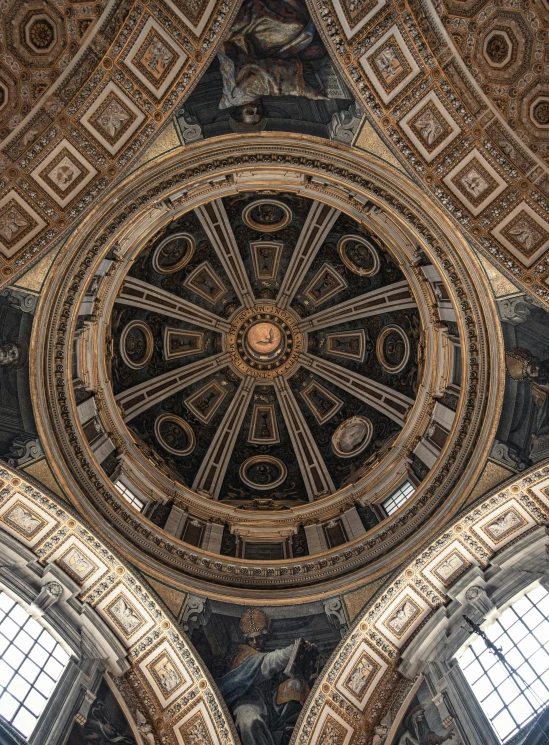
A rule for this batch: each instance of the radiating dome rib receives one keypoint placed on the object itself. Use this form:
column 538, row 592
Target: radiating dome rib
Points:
column 209, row 478
column 319, row 221
column 139, row 294
column 386, row 400
column 141, row 397
column 382, row 300
column 318, row 481
column 216, row 223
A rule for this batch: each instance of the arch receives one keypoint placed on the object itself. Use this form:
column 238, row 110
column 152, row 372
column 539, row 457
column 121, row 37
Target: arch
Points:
column 436, row 82
column 110, row 620
column 409, row 622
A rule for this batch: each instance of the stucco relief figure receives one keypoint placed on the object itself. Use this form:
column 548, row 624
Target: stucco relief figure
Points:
column 522, row 365
column 266, row 690
column 474, row 183
column 273, row 49
column 24, row 519
column 428, row 126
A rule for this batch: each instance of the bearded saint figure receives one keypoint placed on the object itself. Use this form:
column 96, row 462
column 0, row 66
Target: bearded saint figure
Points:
column 263, row 698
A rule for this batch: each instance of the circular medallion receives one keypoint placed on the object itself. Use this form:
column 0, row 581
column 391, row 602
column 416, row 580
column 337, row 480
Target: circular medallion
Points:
column 393, row 348
column 264, row 341
column 267, row 215
column 352, row 436
column 136, row 344
column 263, row 472
column 174, row 434
column 539, row 112
column 173, row 253
column 359, row 254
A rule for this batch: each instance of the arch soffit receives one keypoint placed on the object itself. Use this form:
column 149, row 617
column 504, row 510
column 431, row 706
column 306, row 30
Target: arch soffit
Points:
column 397, row 613
column 132, row 630
column 437, row 77
column 471, row 538
column 101, row 110
column 320, row 171
column 437, row 84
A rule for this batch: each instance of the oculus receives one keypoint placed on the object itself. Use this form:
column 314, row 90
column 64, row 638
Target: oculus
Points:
column 174, row 434
column 267, row 215
column 352, row 436
column 136, row 345
column 264, row 341
column 263, row 472
column 359, row 254
column 393, row 349
column 173, row 253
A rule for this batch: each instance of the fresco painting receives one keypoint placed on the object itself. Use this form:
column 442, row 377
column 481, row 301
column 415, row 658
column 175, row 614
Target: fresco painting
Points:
column 422, row 725
column 272, row 65
column 106, row 723
column 265, row 662
column 524, row 424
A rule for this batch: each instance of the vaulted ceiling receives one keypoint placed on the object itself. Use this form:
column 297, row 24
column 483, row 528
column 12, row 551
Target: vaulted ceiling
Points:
column 262, row 303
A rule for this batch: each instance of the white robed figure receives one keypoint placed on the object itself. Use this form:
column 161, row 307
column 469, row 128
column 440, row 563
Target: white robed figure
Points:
column 264, row 702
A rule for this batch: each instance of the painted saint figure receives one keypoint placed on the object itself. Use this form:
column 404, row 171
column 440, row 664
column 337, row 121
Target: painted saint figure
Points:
column 522, row 365
column 264, row 699
column 270, row 51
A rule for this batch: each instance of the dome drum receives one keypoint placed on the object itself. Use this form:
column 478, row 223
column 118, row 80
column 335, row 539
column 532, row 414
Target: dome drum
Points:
column 305, row 376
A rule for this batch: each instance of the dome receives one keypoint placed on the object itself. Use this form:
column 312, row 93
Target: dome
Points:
column 265, row 346
column 270, row 348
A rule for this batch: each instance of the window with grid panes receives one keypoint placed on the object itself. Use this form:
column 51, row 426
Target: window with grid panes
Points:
column 398, row 497
column 31, row 663
column 522, row 633
column 129, row 496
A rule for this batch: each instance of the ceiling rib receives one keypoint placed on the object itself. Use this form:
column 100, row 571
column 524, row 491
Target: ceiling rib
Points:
column 141, row 397
column 397, row 296
column 318, row 224
column 216, row 223
column 315, row 474
column 393, row 404
column 209, row 478
column 141, row 294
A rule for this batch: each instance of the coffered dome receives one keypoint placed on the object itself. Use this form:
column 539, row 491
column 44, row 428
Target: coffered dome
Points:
column 265, row 347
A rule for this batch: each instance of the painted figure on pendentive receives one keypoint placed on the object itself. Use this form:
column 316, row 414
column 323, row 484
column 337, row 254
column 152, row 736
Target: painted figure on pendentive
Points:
column 266, row 690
